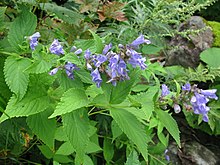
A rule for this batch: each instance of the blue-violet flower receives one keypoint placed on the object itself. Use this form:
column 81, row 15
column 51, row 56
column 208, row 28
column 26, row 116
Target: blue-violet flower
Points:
column 34, row 40
column 56, row 47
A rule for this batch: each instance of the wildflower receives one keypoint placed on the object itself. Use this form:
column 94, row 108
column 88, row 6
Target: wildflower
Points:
column 99, row 59
column 167, row 157
column 53, row 71
column 78, row 51
column 177, row 108
column 69, row 67
column 136, row 59
column 165, row 90
column 96, row 77
column 56, row 47
column 87, row 54
column 106, row 49
column 209, row 93
column 34, row 40
column 138, row 41
column 186, row 87
column 199, row 102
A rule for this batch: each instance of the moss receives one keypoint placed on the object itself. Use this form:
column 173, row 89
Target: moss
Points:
column 216, row 32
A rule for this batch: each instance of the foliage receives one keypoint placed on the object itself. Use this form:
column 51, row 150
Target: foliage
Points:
column 84, row 100
column 216, row 32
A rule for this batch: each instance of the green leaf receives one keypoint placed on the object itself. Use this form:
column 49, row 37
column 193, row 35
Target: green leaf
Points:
column 63, row 13
column 2, row 17
column 62, row 159
column 35, row 101
column 39, row 124
column 15, row 76
column 88, row 160
column 24, row 25
column 132, row 159
column 76, row 126
column 5, row 91
column 67, row 83
column 98, row 42
column 39, row 66
column 46, row 151
column 66, row 149
column 108, row 150
column 151, row 49
column 170, row 124
column 121, row 91
column 134, row 130
column 116, row 131
column 71, row 100
column 84, row 76
column 211, row 56
column 86, row 44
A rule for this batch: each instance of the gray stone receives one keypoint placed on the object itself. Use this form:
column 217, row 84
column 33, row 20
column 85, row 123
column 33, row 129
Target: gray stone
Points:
column 185, row 52
column 191, row 153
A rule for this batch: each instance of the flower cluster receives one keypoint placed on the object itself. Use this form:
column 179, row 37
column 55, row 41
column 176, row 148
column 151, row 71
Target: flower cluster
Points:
column 56, row 47
column 68, row 67
column 114, row 65
column 192, row 98
column 34, row 40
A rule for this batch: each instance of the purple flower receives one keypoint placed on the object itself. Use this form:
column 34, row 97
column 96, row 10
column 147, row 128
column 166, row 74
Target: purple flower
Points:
column 106, row 49
column 167, row 157
column 73, row 49
column 96, row 77
column 53, row 71
column 117, row 69
column 136, row 59
column 56, row 47
column 177, row 108
column 199, row 102
column 78, row 51
column 99, row 59
column 69, row 67
column 87, row 54
column 165, row 90
column 186, row 87
column 34, row 40
column 209, row 93
column 140, row 40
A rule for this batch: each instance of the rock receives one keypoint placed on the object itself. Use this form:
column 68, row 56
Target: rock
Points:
column 185, row 51
column 191, row 153
column 199, row 154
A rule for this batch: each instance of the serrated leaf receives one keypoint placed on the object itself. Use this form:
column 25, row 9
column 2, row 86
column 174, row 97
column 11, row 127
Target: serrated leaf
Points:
column 86, row 44
column 71, row 100
column 24, row 25
column 134, row 130
column 84, row 76
column 170, row 124
column 15, row 76
column 5, row 91
column 67, row 83
column 76, row 126
column 39, row 124
column 121, row 91
column 35, row 101
column 39, row 67
column 63, row 13
column 132, row 159
column 98, row 42
column 211, row 56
